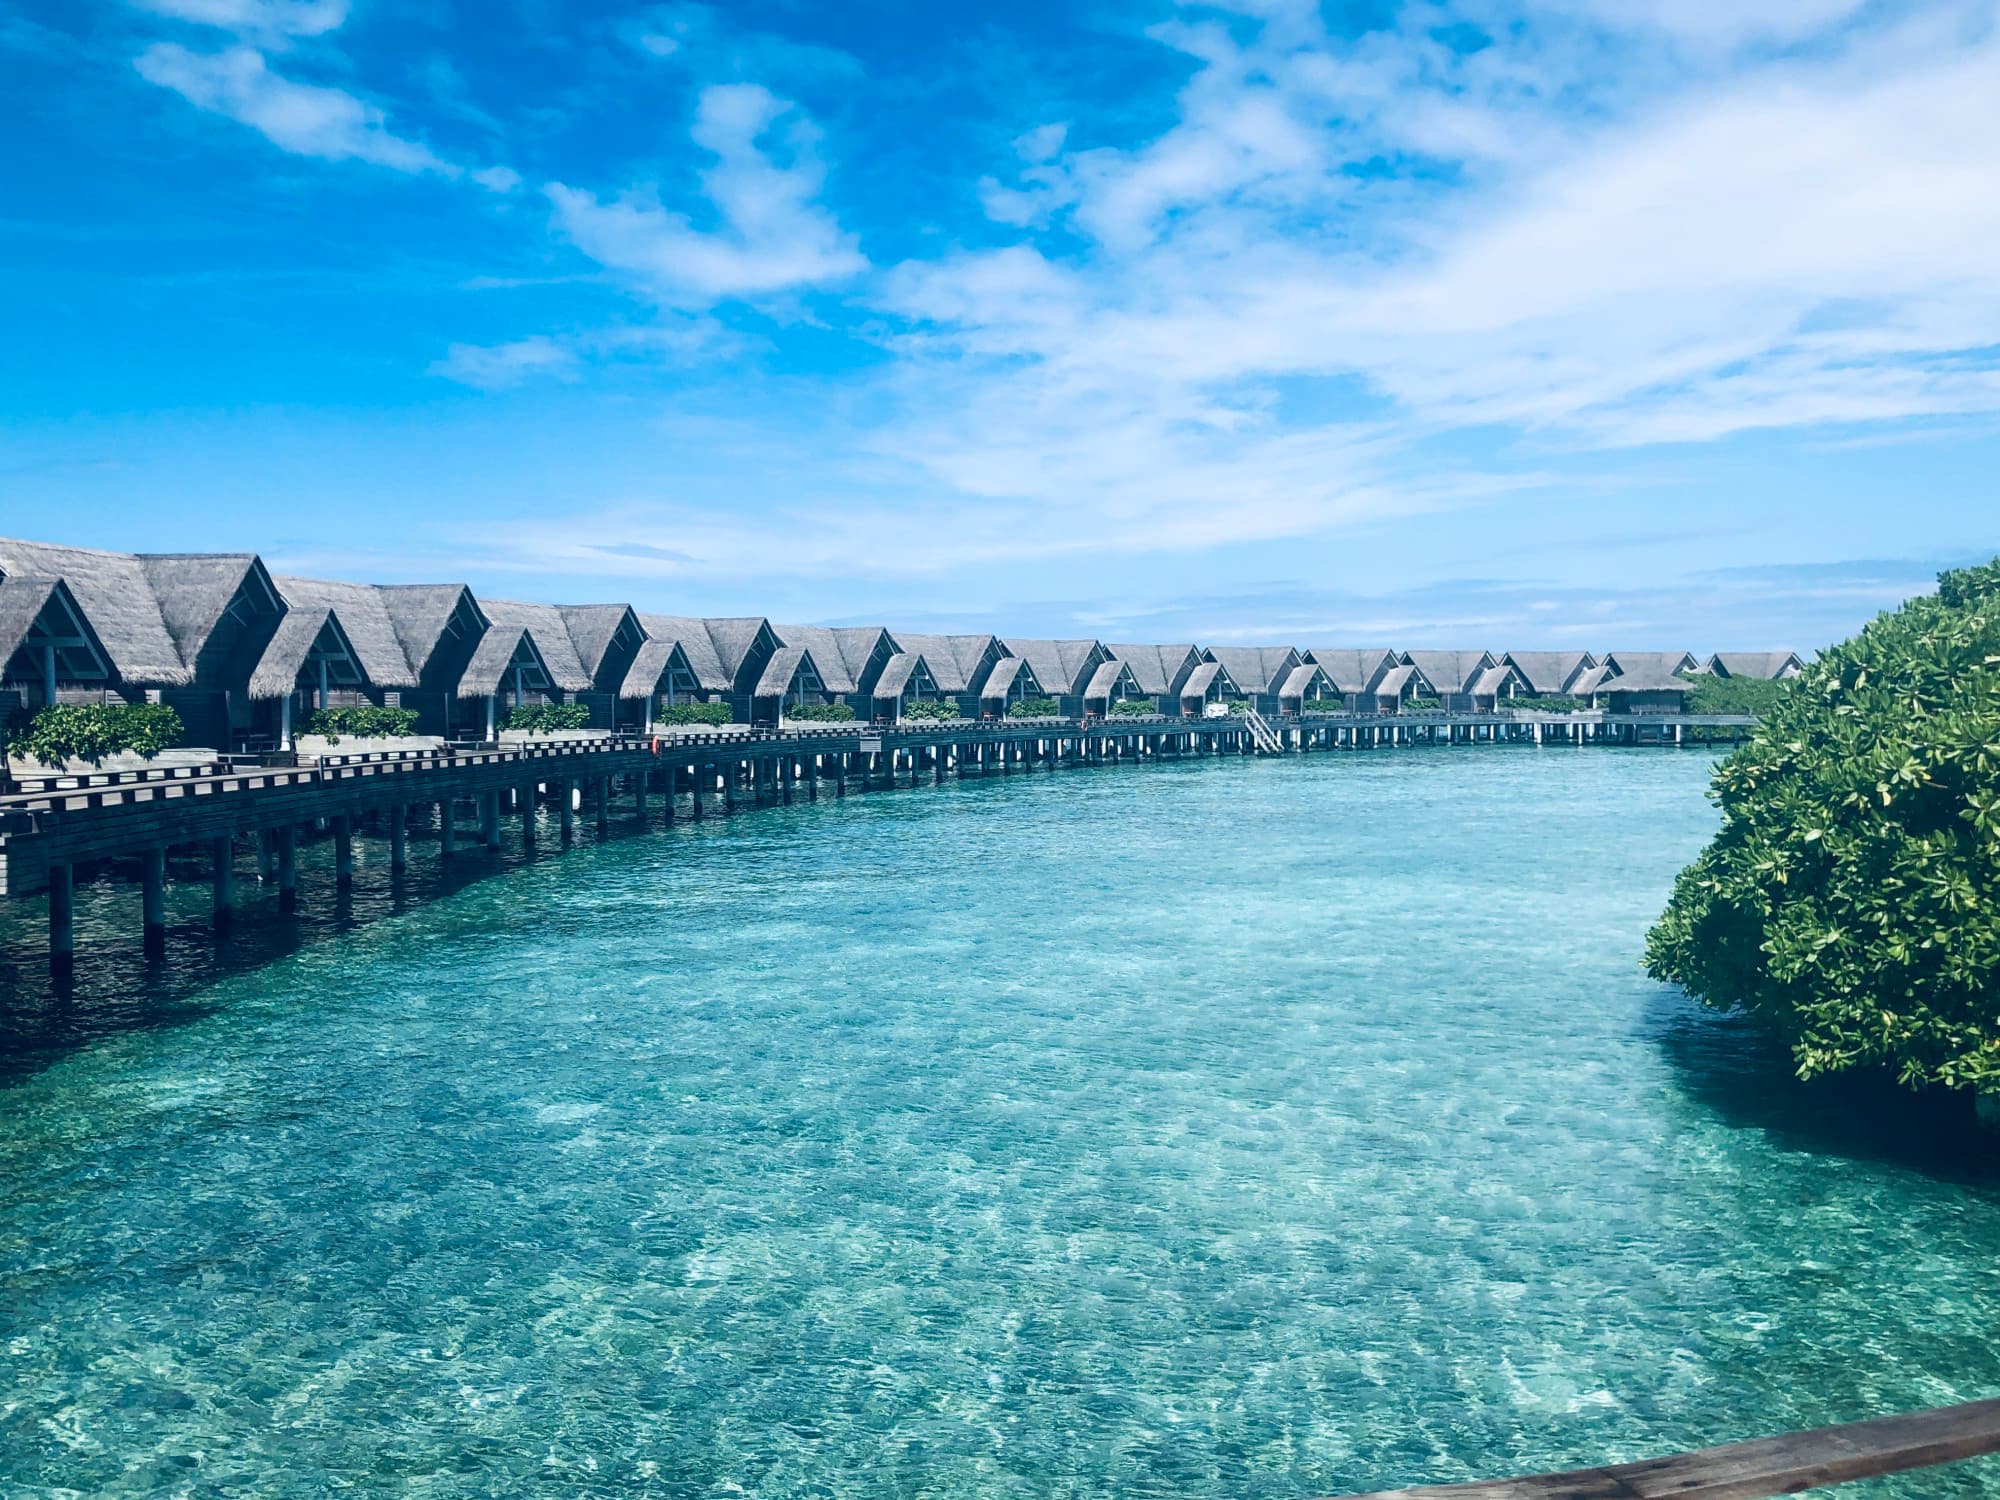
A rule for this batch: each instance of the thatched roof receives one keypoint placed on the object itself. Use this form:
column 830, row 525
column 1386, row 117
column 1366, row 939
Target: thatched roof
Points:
column 602, row 634
column 364, row 620
column 1203, row 677
column 652, row 666
column 1009, row 673
column 1645, row 679
column 1624, row 663
column 422, row 614
column 956, row 661
column 25, row 601
column 301, row 630
column 1060, row 666
column 1450, row 671
column 1303, row 678
column 733, row 639
column 1351, row 669
column 1494, row 681
column 1256, row 669
column 1589, row 680
column 1109, row 678
column 842, row 654
column 1550, row 674
column 1399, row 680
column 790, row 667
column 1767, row 666
column 196, row 588
column 544, row 622
column 903, row 666
column 492, row 666
column 112, row 590
column 1157, row 669
column 692, row 637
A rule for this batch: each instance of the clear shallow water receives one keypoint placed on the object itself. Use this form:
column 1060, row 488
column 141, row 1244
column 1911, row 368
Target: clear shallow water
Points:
column 1219, row 1129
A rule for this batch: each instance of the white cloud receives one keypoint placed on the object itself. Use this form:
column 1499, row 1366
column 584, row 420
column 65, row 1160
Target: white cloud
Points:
column 493, row 367
column 773, row 235
column 498, row 366
column 270, row 17
column 302, row 118
column 497, row 179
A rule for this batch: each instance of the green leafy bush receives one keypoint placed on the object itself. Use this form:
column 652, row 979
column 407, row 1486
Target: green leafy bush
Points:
column 1033, row 708
column 1851, row 900
column 543, row 718
column 1134, row 708
column 88, row 732
column 1551, row 705
column 820, row 713
column 1733, row 695
column 364, row 723
column 932, row 710
column 693, row 713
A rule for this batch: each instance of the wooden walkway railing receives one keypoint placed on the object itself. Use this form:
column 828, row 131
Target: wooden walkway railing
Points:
column 1784, row 1465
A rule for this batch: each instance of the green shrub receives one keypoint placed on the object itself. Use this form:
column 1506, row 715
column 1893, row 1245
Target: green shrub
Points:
column 1033, row 708
column 365, row 723
column 1851, row 900
column 1552, row 705
column 820, row 713
column 542, row 718
column 88, row 732
column 693, row 713
column 932, row 710
column 1133, row 708
column 1733, row 695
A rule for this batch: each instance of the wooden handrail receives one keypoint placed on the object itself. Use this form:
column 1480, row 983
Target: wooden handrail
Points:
column 1762, row 1467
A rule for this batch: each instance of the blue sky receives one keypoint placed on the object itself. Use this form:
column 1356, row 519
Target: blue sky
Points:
column 1474, row 322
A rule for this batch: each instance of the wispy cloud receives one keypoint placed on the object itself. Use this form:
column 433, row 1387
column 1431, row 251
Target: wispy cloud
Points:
column 275, row 18
column 772, row 236
column 303, row 118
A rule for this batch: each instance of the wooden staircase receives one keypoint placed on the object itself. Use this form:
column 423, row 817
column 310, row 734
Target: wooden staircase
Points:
column 1262, row 735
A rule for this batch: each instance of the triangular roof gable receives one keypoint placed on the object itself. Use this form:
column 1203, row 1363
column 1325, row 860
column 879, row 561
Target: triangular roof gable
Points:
column 740, row 642
column 37, row 614
column 1450, row 671
column 697, row 648
column 1623, row 663
column 426, row 615
column 1549, row 673
column 112, row 590
column 659, row 666
column 553, row 646
column 1111, row 678
column 790, row 669
column 306, row 633
column 196, row 590
column 1255, row 669
column 605, row 637
column 1160, row 670
column 1307, row 679
column 364, row 617
column 501, row 650
column 1353, row 669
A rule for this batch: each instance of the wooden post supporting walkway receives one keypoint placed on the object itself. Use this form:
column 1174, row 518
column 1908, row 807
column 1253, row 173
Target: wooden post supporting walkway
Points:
column 1760, row 1468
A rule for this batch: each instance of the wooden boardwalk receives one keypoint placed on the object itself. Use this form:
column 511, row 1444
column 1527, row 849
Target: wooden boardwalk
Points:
column 1786, row 1465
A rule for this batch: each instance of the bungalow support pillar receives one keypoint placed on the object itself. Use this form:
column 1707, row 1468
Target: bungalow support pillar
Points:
column 601, row 792
column 155, row 901
column 343, row 852
column 699, row 775
column 447, row 828
column 489, row 819
column 528, row 817
column 399, row 839
column 288, row 868
column 566, row 790
column 62, row 920
column 224, row 882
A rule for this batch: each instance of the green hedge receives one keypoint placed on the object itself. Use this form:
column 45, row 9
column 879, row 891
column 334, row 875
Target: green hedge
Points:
column 693, row 713
column 1133, row 708
column 820, row 713
column 932, row 710
column 1032, row 708
column 1554, row 705
column 88, row 732
column 1733, row 695
column 1851, row 901
column 541, row 718
column 367, row 723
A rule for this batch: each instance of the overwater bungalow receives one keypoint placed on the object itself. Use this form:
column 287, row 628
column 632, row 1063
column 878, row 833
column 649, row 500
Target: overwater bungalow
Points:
column 1499, row 683
column 47, row 646
column 540, row 660
column 744, row 645
column 386, row 675
column 1013, row 680
column 1355, row 673
column 906, row 679
column 1063, row 668
column 1764, row 666
column 606, row 639
column 1643, row 690
column 664, row 674
column 1110, row 684
column 307, row 661
column 1550, row 674
column 790, row 679
column 221, row 609
column 963, row 666
column 1208, row 686
column 440, row 626
column 1259, row 672
column 850, row 659
column 1400, row 688
column 1160, row 671
column 1307, row 689
column 1454, row 674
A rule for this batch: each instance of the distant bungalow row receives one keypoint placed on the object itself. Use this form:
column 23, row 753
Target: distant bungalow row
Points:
column 240, row 652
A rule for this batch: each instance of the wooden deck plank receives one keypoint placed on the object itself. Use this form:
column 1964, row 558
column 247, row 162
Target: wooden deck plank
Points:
column 1784, row 1465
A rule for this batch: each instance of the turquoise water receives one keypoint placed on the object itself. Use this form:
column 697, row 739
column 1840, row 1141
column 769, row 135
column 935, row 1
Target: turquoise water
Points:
column 1239, row 1129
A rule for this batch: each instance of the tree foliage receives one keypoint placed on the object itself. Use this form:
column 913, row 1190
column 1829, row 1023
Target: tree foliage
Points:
column 543, row 718
column 88, row 732
column 1032, row 708
column 1135, row 708
column 1851, row 899
column 693, row 713
column 932, row 710
column 820, row 713
column 361, row 723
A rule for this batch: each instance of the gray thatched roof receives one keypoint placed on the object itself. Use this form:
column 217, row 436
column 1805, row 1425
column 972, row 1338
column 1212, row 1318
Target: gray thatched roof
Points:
column 692, row 637
column 895, row 678
column 790, row 667
column 195, row 588
column 1157, row 669
column 545, row 623
column 1256, row 669
column 1450, row 671
column 595, row 629
column 1109, row 678
column 1009, row 673
column 1624, row 663
column 1202, row 677
column 26, row 600
column 1549, row 674
column 1060, row 666
column 302, row 628
column 422, row 613
column 841, row 653
column 652, row 664
column 1589, row 680
column 364, row 620
column 1398, row 680
column 1352, row 670
column 112, row 590
column 956, row 661
column 1301, row 680
column 733, row 638
column 491, row 667
column 1767, row 666
column 1642, row 678
column 1494, row 681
